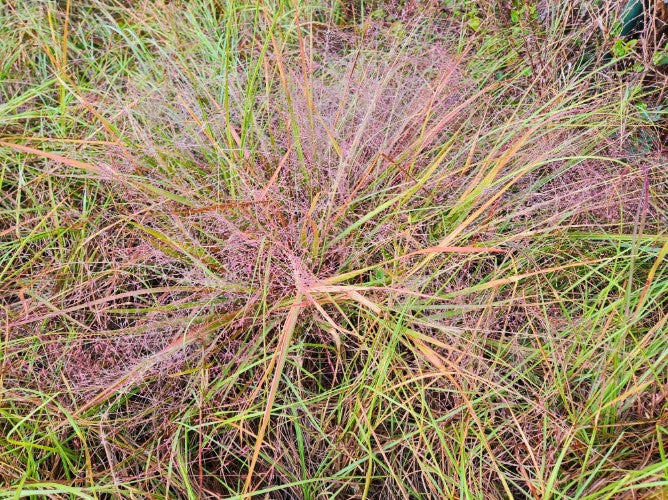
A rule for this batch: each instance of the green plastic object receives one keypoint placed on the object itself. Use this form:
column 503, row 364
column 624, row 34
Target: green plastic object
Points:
column 633, row 17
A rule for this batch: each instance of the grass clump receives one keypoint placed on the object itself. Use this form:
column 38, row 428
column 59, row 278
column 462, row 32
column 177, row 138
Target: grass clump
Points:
column 304, row 250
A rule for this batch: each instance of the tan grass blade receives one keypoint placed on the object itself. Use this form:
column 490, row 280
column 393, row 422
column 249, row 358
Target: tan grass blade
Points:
column 279, row 362
column 52, row 156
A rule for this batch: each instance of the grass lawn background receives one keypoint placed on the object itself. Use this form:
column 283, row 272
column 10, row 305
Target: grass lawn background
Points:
column 317, row 249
